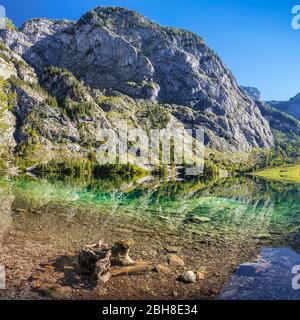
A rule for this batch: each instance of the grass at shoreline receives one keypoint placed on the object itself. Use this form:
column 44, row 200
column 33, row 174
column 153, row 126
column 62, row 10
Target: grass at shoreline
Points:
column 283, row 173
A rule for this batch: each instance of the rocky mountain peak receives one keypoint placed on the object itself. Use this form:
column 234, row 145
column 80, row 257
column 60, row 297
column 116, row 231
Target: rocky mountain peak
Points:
column 291, row 107
column 296, row 98
column 117, row 15
column 253, row 92
column 112, row 49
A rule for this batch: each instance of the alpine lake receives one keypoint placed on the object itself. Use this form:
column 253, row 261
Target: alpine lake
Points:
column 239, row 235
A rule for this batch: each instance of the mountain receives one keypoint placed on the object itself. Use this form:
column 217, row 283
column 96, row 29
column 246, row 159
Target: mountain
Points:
column 253, row 92
column 291, row 107
column 279, row 121
column 73, row 78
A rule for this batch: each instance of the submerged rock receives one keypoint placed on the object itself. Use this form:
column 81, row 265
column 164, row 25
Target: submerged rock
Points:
column 253, row 268
column 198, row 219
column 263, row 236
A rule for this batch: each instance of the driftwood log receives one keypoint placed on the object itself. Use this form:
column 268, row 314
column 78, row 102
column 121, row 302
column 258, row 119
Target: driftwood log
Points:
column 120, row 253
column 137, row 268
column 104, row 262
column 95, row 260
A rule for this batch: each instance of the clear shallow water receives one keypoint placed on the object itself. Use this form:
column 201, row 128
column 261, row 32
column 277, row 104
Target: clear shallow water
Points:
column 268, row 278
column 243, row 206
column 242, row 216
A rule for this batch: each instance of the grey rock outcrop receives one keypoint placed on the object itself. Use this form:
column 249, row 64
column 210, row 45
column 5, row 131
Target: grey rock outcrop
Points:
column 31, row 32
column 253, row 92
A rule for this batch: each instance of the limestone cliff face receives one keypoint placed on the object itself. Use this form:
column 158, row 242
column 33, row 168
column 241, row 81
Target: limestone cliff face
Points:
column 11, row 65
column 114, row 64
column 31, row 33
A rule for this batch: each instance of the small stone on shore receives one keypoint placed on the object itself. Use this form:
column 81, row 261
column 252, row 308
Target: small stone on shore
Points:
column 19, row 210
column 161, row 269
column 188, row 277
column 62, row 291
column 172, row 249
column 200, row 275
column 174, row 260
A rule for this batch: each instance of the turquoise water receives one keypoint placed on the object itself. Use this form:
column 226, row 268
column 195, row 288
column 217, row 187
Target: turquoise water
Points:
column 231, row 205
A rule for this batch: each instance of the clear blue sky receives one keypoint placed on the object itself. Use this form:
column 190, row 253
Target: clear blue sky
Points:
column 253, row 37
